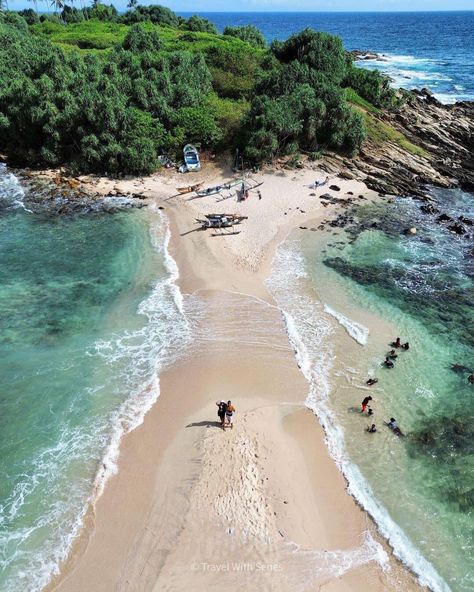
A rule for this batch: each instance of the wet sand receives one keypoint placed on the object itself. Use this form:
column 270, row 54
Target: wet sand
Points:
column 259, row 507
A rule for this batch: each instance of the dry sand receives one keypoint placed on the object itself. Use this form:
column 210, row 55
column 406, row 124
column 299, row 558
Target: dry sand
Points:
column 259, row 507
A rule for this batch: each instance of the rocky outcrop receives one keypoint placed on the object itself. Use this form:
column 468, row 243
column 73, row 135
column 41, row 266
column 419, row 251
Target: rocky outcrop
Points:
column 55, row 194
column 441, row 150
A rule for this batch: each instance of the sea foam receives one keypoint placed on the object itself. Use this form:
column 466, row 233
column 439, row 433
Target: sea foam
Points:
column 357, row 331
column 135, row 359
column 310, row 335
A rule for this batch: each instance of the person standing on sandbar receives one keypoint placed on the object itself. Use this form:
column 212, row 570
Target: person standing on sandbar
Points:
column 229, row 415
column 221, row 409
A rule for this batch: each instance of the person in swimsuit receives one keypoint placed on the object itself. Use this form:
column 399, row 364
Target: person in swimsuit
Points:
column 392, row 425
column 396, row 343
column 372, row 381
column 365, row 402
column 371, row 429
column 229, row 415
column 388, row 363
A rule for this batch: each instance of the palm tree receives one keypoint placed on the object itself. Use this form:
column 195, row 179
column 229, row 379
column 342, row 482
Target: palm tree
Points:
column 57, row 5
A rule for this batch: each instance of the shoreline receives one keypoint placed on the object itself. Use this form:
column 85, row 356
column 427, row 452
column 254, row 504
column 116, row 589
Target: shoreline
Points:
column 159, row 422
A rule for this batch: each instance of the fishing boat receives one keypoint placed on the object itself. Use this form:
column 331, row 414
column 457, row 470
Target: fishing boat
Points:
column 189, row 188
column 220, row 220
column 191, row 158
column 218, row 188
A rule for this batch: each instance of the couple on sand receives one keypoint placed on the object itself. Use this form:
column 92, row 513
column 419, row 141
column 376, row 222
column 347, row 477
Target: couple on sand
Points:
column 225, row 412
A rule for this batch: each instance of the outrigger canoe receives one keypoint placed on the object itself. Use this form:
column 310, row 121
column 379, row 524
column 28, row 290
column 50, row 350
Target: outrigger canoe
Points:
column 218, row 188
column 189, row 188
column 220, row 220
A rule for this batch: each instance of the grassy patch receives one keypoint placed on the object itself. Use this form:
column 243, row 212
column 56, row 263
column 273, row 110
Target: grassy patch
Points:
column 354, row 99
column 86, row 35
column 380, row 132
column 234, row 64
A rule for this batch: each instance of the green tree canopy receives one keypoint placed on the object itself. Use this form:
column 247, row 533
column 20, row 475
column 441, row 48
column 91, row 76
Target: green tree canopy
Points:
column 199, row 24
column 248, row 33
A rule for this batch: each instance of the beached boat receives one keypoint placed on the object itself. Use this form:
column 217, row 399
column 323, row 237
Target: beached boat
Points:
column 191, row 158
column 189, row 188
column 220, row 220
column 218, row 188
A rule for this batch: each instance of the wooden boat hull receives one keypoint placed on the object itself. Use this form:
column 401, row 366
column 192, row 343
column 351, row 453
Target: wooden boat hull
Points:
column 189, row 188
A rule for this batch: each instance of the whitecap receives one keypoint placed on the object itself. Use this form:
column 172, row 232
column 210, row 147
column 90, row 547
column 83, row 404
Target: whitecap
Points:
column 354, row 329
column 309, row 336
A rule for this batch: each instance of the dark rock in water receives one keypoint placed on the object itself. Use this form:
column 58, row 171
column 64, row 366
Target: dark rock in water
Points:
column 457, row 229
column 325, row 196
column 467, row 221
column 448, row 443
column 429, row 209
column 334, row 188
column 444, row 218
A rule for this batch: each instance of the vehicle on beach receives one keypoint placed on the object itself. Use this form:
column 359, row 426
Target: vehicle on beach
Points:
column 191, row 158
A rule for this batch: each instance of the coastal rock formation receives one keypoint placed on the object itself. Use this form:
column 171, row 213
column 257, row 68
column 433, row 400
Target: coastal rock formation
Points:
column 444, row 132
column 429, row 144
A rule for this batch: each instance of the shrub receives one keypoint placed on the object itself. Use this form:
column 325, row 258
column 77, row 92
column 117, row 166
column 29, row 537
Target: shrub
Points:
column 320, row 51
column 140, row 40
column 30, row 16
column 372, row 86
column 198, row 24
column 248, row 33
column 13, row 19
column 159, row 15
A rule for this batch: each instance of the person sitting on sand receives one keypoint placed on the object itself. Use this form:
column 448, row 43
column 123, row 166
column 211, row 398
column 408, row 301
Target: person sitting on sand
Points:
column 229, row 415
column 392, row 425
column 388, row 363
column 392, row 355
column 405, row 345
column 370, row 411
column 372, row 381
column 371, row 429
column 221, row 410
column 396, row 343
column 365, row 402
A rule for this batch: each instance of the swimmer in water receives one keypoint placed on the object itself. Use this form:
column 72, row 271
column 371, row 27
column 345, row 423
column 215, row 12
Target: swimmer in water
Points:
column 388, row 363
column 405, row 345
column 396, row 343
column 372, row 381
column 392, row 355
column 365, row 403
column 392, row 425
column 371, row 429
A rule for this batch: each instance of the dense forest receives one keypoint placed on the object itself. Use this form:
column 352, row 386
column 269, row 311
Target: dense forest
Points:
column 107, row 92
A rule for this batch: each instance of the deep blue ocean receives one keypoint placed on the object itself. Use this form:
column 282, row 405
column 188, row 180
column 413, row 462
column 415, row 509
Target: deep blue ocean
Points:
column 434, row 50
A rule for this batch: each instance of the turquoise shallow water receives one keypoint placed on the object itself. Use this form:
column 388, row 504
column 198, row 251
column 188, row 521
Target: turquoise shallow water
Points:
column 88, row 312
column 420, row 488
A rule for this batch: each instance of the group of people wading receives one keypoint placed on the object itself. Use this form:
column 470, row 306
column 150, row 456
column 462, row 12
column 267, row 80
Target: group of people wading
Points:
column 225, row 412
column 388, row 363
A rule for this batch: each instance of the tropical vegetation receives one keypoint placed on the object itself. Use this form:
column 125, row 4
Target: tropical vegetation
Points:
column 108, row 92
